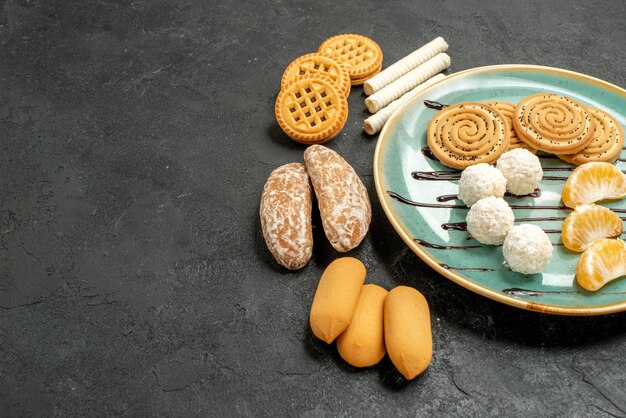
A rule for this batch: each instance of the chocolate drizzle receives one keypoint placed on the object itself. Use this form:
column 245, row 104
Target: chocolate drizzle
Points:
column 444, row 247
column 434, row 105
column 449, row 197
column 516, row 291
column 402, row 199
column 447, row 267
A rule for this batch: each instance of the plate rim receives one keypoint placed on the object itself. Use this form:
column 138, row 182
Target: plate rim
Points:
column 428, row 258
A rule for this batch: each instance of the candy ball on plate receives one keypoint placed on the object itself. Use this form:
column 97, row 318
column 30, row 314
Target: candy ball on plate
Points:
column 480, row 181
column 522, row 171
column 527, row 249
column 489, row 220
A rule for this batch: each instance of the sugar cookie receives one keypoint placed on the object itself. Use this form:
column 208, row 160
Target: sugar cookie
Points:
column 468, row 133
column 606, row 143
column 317, row 63
column 553, row 123
column 507, row 110
column 311, row 109
column 361, row 56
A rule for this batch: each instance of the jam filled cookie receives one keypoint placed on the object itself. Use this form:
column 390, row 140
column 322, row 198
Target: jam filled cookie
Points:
column 552, row 123
column 468, row 133
column 317, row 63
column 362, row 57
column 311, row 109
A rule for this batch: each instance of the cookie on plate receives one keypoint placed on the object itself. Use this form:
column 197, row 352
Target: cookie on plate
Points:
column 468, row 133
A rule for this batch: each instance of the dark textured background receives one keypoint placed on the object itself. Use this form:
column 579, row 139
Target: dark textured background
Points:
column 135, row 139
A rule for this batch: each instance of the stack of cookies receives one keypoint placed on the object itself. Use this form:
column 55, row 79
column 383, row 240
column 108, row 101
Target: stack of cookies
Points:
column 312, row 106
column 469, row 133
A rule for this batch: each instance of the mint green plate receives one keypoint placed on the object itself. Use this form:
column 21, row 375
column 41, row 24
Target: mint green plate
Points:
column 430, row 231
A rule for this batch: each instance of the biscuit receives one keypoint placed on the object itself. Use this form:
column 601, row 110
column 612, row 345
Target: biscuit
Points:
column 507, row 110
column 311, row 109
column 317, row 63
column 359, row 81
column 361, row 55
column 552, row 123
column 606, row 142
column 285, row 213
column 336, row 298
column 342, row 198
column 362, row 343
column 468, row 133
column 408, row 334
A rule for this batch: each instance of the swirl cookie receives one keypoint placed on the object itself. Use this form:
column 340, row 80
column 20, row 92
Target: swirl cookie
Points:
column 317, row 63
column 507, row 110
column 311, row 109
column 468, row 133
column 552, row 123
column 362, row 57
column 606, row 142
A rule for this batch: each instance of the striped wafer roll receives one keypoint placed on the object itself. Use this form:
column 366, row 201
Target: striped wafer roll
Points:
column 406, row 64
column 375, row 123
column 407, row 82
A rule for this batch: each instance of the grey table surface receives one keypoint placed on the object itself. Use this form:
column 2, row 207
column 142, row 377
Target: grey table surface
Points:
column 135, row 139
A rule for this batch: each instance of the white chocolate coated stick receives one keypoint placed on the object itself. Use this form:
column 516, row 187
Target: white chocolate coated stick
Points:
column 406, row 64
column 375, row 123
column 407, row 82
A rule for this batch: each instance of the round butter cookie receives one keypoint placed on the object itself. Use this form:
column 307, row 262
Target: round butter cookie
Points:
column 311, row 109
column 507, row 110
column 468, row 133
column 361, row 56
column 606, row 142
column 317, row 63
column 359, row 81
column 552, row 123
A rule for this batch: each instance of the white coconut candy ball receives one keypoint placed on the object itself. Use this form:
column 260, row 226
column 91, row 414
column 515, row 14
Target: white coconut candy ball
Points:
column 479, row 181
column 527, row 249
column 522, row 171
column 489, row 220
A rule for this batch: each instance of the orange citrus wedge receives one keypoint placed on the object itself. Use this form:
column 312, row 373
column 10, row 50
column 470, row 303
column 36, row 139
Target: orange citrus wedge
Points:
column 588, row 223
column 592, row 182
column 601, row 263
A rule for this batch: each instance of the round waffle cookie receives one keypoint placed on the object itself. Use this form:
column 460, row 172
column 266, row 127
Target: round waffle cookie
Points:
column 361, row 56
column 311, row 109
column 606, row 142
column 553, row 123
column 359, row 81
column 507, row 110
column 468, row 133
column 317, row 63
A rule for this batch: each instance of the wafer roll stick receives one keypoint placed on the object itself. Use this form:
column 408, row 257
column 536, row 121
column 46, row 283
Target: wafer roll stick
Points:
column 406, row 64
column 407, row 82
column 375, row 123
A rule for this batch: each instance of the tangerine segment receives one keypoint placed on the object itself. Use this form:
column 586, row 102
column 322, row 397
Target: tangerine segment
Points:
column 588, row 223
column 592, row 182
column 601, row 263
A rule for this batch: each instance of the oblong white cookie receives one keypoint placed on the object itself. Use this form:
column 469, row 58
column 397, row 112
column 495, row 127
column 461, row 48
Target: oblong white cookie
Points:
column 285, row 211
column 343, row 201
